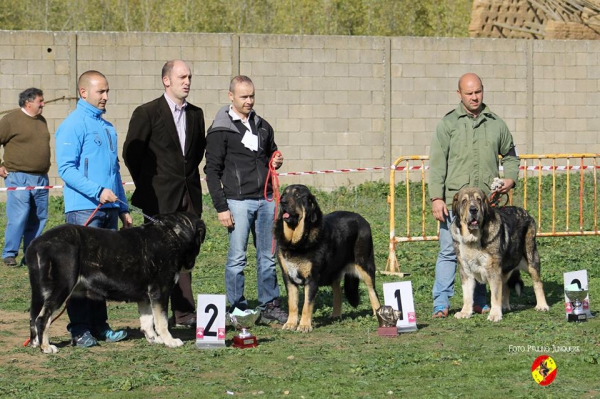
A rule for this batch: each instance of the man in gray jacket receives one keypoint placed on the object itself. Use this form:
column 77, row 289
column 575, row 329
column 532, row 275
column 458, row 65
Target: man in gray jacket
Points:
column 239, row 147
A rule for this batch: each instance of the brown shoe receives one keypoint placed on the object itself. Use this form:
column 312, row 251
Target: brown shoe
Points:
column 481, row 310
column 440, row 314
column 274, row 313
column 189, row 323
column 10, row 261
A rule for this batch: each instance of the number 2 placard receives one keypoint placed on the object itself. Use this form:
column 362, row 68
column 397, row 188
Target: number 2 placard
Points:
column 400, row 297
column 210, row 327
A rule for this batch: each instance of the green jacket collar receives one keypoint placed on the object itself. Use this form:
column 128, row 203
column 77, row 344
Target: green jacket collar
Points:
column 460, row 110
column 485, row 113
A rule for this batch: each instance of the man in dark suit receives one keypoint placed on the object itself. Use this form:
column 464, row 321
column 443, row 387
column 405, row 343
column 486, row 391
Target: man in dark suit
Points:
column 164, row 146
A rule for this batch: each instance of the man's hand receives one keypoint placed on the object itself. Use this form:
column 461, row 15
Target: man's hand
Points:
column 439, row 210
column 126, row 220
column 107, row 196
column 277, row 161
column 3, row 172
column 505, row 188
column 226, row 219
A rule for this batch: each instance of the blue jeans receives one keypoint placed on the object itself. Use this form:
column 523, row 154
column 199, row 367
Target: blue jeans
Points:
column 26, row 211
column 84, row 313
column 256, row 216
column 445, row 270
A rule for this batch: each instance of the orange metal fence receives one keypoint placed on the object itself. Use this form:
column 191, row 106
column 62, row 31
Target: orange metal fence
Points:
column 558, row 179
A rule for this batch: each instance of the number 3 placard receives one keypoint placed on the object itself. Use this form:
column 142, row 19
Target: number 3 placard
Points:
column 400, row 297
column 210, row 327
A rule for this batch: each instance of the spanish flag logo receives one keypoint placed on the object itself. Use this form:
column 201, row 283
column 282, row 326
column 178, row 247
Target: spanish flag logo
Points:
column 543, row 370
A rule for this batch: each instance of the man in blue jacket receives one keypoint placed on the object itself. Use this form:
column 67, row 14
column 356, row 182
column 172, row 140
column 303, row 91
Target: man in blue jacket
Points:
column 86, row 155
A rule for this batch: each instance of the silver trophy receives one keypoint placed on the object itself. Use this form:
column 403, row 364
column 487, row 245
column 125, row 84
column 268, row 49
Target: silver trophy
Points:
column 242, row 321
column 576, row 298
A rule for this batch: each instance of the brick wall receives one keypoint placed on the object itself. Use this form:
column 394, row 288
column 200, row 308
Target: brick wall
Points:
column 334, row 101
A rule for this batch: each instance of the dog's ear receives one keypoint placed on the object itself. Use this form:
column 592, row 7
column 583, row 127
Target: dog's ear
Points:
column 200, row 232
column 456, row 209
column 487, row 206
column 313, row 209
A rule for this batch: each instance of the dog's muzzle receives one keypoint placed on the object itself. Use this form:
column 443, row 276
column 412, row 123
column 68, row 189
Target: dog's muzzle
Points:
column 473, row 219
column 290, row 219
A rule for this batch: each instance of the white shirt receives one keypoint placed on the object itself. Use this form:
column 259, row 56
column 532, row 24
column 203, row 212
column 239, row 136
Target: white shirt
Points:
column 180, row 120
column 249, row 140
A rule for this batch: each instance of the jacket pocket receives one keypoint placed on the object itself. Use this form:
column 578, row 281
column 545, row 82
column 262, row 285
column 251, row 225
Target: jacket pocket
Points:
column 458, row 182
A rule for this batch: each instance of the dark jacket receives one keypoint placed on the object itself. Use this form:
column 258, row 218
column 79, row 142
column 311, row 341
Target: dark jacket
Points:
column 153, row 155
column 232, row 170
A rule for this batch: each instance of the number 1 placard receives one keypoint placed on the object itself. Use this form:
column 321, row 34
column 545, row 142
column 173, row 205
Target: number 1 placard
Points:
column 400, row 297
column 210, row 327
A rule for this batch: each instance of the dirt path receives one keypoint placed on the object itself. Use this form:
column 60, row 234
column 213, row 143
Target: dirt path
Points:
column 14, row 331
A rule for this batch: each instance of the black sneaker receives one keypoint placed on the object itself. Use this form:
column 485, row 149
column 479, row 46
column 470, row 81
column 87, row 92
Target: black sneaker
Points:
column 274, row 313
column 10, row 261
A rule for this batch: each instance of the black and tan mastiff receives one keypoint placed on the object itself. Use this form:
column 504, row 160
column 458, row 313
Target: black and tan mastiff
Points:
column 316, row 250
column 492, row 246
column 139, row 264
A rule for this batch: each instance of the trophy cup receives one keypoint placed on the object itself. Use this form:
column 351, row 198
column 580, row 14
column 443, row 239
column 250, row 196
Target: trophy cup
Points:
column 241, row 321
column 574, row 306
column 387, row 317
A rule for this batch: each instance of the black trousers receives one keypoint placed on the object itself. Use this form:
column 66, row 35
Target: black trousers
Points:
column 183, row 304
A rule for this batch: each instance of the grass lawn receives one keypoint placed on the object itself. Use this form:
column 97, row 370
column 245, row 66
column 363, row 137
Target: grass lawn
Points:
column 342, row 358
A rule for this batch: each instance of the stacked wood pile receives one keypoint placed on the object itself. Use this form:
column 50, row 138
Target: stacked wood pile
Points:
column 536, row 19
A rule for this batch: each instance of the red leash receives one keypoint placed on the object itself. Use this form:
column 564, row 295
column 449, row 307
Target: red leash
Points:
column 495, row 198
column 275, row 186
column 28, row 340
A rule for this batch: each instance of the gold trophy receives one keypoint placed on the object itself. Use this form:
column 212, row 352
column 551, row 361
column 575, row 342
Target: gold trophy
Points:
column 387, row 317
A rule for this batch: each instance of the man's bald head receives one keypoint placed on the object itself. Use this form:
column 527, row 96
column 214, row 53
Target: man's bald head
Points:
column 87, row 77
column 93, row 88
column 469, row 77
column 470, row 92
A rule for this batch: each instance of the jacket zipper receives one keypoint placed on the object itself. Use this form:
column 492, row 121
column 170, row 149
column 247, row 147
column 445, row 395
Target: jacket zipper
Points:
column 109, row 140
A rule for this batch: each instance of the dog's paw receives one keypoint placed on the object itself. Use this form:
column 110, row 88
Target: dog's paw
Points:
column 50, row 349
column 463, row 315
column 495, row 316
column 155, row 340
column 304, row 328
column 289, row 326
column 542, row 308
column 174, row 343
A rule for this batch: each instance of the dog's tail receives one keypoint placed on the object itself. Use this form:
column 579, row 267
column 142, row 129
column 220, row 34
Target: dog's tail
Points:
column 351, row 289
column 514, row 282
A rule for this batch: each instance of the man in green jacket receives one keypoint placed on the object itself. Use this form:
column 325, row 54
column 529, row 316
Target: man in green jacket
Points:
column 464, row 152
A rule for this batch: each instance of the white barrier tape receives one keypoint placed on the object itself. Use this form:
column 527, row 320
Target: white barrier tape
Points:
column 544, row 168
column 29, row 188
column 330, row 171
column 322, row 172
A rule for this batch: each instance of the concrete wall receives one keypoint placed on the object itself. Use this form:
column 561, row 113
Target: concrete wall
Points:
column 334, row 101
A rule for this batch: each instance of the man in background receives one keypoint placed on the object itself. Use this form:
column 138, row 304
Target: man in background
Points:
column 26, row 141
